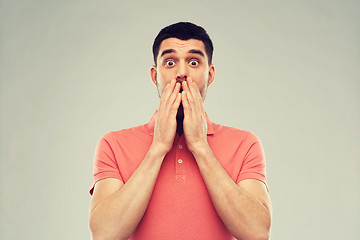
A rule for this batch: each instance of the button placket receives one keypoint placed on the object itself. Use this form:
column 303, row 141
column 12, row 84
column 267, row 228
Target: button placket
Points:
column 179, row 161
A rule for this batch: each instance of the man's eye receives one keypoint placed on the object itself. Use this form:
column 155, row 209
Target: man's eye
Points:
column 194, row 63
column 170, row 63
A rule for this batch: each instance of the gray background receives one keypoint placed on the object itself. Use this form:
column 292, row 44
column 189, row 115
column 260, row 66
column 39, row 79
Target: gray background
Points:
column 73, row 70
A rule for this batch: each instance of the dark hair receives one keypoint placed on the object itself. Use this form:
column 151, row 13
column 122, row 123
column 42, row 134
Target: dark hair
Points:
column 184, row 31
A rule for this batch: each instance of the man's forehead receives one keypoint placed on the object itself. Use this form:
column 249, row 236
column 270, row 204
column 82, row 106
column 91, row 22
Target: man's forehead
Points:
column 181, row 45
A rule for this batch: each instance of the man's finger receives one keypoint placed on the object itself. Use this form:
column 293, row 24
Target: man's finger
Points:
column 195, row 93
column 166, row 93
column 174, row 108
column 169, row 88
column 185, row 101
column 189, row 97
column 174, row 94
column 174, row 100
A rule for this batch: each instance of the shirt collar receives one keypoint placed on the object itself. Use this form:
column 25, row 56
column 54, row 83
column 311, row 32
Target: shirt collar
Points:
column 151, row 124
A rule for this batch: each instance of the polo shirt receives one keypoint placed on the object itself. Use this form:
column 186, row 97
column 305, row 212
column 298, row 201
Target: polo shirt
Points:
column 180, row 206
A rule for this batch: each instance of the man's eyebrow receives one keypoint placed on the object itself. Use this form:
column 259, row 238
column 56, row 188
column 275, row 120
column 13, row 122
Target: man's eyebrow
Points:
column 197, row 52
column 167, row 51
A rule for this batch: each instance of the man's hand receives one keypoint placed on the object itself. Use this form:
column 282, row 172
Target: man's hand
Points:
column 244, row 208
column 117, row 207
column 195, row 126
column 165, row 124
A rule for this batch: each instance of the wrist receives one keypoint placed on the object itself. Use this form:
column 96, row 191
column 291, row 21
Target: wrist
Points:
column 200, row 150
column 157, row 150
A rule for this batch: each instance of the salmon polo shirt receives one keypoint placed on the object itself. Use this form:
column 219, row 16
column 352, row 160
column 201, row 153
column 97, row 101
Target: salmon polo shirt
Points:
column 180, row 206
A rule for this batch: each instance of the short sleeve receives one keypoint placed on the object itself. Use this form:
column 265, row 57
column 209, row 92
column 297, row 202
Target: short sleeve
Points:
column 253, row 166
column 105, row 165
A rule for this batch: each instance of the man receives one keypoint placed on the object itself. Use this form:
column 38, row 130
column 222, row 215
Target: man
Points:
column 180, row 176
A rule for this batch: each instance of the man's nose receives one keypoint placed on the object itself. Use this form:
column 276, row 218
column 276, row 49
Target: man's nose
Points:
column 182, row 73
column 181, row 78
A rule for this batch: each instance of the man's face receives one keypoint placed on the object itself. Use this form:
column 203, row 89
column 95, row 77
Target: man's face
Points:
column 180, row 59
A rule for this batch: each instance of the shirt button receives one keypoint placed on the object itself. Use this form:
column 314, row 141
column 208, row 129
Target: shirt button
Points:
column 180, row 146
column 179, row 161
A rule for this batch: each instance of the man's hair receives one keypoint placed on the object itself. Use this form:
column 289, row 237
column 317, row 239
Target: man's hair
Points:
column 184, row 31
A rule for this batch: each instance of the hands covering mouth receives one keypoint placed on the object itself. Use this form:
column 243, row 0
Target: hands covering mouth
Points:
column 181, row 104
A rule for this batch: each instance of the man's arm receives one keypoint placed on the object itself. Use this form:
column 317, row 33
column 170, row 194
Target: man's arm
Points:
column 117, row 208
column 245, row 208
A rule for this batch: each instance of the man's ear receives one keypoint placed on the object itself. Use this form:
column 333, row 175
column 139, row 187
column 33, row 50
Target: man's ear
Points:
column 211, row 74
column 153, row 74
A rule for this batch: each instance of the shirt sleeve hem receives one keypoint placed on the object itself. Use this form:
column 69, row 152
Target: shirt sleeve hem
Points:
column 102, row 176
column 255, row 176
